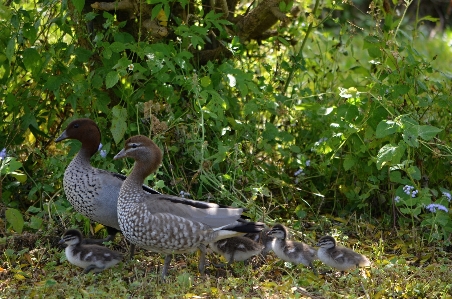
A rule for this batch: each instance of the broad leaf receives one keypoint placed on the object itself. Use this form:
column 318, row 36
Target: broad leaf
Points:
column 14, row 217
column 390, row 153
column 111, row 79
column 78, row 4
column 428, row 132
column 118, row 123
column 385, row 128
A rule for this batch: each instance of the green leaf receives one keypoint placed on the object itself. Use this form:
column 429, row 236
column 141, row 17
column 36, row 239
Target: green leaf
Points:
column 414, row 172
column 410, row 136
column 111, row 79
column 399, row 89
column 35, row 222
column 82, row 54
column 205, row 81
column 118, row 123
column 19, row 176
column 349, row 162
column 390, row 153
column 385, row 128
column 32, row 60
column 10, row 48
column 155, row 11
column 117, row 47
column 372, row 39
column 270, row 132
column 348, row 112
column 79, row 4
column 14, row 217
column 396, row 177
column 30, row 32
column 10, row 165
column 428, row 132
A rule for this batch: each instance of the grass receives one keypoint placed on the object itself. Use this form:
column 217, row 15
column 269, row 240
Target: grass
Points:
column 400, row 269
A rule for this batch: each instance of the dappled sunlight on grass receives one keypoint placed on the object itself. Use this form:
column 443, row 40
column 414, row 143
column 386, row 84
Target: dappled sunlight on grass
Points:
column 400, row 269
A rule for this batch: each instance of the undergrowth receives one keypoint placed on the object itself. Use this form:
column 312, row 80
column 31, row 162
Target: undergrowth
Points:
column 330, row 127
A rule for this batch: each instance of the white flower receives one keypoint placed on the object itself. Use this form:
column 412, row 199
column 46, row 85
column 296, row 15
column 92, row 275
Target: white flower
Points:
column 130, row 67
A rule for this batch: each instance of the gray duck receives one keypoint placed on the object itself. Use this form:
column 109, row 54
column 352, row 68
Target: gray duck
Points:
column 163, row 223
column 93, row 192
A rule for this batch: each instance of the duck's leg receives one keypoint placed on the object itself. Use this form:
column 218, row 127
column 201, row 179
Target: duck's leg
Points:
column 89, row 268
column 313, row 269
column 202, row 259
column 166, row 265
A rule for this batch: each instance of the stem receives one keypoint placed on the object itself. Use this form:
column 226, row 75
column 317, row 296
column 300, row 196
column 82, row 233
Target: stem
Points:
column 407, row 3
column 300, row 52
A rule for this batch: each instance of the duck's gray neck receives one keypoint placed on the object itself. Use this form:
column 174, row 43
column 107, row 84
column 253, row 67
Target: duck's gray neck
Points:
column 82, row 159
column 136, row 178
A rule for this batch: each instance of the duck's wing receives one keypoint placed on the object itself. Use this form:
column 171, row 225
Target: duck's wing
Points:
column 211, row 214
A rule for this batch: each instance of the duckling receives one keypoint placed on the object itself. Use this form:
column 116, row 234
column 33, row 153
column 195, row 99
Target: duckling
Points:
column 236, row 248
column 94, row 258
column 262, row 238
column 164, row 223
column 339, row 257
column 291, row 251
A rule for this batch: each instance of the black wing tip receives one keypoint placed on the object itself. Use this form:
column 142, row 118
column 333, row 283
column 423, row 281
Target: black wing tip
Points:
column 248, row 227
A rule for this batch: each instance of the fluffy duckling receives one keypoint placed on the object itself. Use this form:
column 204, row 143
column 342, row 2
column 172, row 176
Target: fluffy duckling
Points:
column 339, row 257
column 236, row 248
column 291, row 251
column 94, row 258
column 165, row 223
column 262, row 238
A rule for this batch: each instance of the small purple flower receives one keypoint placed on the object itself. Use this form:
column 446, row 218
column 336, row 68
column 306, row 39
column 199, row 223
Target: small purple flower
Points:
column 100, row 146
column 397, row 199
column 414, row 193
column 103, row 153
column 298, row 172
column 434, row 206
column 3, row 153
column 447, row 195
column 407, row 189
column 308, row 163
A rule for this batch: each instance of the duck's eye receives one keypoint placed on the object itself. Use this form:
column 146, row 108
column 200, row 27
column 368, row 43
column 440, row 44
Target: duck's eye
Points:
column 76, row 126
column 134, row 145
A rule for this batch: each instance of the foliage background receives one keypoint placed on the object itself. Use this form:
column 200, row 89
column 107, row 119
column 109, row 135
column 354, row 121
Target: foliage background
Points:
column 329, row 116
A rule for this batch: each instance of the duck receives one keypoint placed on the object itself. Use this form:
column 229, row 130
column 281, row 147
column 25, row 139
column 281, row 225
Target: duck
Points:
column 162, row 223
column 93, row 192
column 291, row 251
column 339, row 257
column 262, row 238
column 91, row 257
column 236, row 248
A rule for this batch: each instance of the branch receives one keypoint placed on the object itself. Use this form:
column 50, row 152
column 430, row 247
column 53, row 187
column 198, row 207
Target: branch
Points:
column 260, row 19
